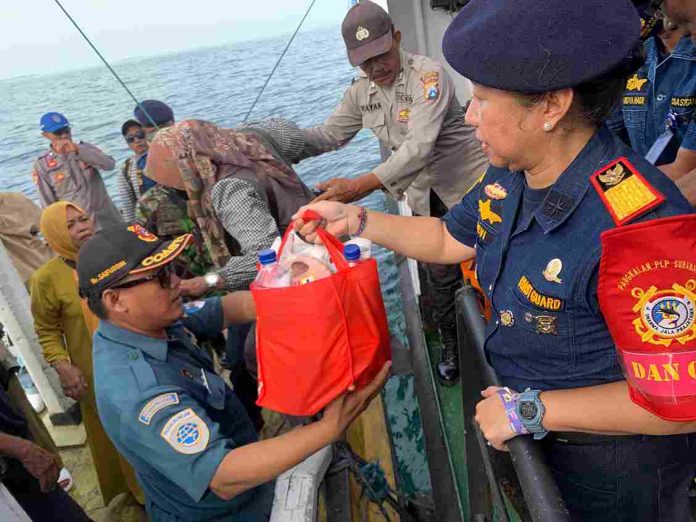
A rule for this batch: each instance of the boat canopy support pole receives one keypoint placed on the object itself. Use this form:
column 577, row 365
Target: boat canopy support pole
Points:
column 16, row 318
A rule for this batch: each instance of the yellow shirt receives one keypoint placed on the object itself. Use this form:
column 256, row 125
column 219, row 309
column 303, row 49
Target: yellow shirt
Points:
column 58, row 319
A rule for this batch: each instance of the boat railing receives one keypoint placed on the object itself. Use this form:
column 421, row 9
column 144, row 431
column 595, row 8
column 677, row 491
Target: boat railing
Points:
column 542, row 498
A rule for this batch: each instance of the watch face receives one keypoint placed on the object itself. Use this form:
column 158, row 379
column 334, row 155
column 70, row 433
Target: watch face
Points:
column 528, row 410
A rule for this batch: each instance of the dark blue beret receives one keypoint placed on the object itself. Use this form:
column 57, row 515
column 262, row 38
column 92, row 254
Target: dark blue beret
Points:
column 157, row 110
column 540, row 45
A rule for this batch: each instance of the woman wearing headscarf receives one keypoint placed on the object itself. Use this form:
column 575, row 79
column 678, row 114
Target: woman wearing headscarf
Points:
column 560, row 194
column 240, row 191
column 64, row 327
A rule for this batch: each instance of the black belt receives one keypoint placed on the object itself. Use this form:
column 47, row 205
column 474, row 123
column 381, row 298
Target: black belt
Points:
column 579, row 439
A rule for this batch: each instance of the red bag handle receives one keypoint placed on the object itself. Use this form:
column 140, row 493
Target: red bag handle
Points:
column 331, row 242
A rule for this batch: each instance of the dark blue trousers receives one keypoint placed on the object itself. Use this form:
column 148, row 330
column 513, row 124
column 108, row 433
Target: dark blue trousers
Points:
column 635, row 478
column 55, row 505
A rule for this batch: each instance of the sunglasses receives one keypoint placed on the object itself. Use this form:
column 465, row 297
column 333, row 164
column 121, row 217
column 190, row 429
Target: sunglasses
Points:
column 164, row 275
column 65, row 131
column 140, row 135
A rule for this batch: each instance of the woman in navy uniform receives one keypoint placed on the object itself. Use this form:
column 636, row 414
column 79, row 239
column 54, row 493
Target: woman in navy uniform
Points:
column 558, row 179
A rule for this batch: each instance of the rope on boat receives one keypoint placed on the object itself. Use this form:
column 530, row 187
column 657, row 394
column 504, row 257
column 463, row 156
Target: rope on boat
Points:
column 105, row 62
column 280, row 59
column 373, row 481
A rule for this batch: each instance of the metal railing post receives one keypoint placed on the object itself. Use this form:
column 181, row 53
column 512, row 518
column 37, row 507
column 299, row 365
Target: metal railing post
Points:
column 541, row 493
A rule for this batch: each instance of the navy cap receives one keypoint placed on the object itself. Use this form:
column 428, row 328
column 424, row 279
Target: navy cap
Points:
column 52, row 121
column 540, row 45
column 159, row 111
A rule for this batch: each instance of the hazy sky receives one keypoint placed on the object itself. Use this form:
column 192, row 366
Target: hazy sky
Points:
column 36, row 37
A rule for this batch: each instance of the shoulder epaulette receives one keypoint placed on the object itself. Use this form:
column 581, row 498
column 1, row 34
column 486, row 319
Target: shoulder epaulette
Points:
column 624, row 191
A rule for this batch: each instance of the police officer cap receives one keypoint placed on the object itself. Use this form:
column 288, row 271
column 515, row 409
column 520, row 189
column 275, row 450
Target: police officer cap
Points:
column 540, row 45
column 53, row 121
column 118, row 250
column 367, row 32
column 159, row 111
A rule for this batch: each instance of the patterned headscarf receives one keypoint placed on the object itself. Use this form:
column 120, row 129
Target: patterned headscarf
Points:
column 194, row 155
column 54, row 228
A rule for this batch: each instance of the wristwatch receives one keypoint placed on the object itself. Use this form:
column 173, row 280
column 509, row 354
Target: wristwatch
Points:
column 212, row 280
column 531, row 411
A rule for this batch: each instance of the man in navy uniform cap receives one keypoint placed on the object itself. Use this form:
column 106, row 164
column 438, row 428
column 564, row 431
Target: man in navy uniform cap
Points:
column 153, row 115
column 175, row 420
column 69, row 171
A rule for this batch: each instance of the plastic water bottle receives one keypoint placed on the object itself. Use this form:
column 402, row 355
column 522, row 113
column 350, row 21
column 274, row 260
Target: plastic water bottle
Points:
column 352, row 254
column 271, row 274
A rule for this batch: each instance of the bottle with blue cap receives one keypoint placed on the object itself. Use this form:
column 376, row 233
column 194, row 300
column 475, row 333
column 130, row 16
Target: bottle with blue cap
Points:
column 271, row 273
column 351, row 252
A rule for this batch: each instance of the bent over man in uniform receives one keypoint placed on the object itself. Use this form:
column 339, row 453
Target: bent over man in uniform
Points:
column 409, row 103
column 184, row 431
column 69, row 171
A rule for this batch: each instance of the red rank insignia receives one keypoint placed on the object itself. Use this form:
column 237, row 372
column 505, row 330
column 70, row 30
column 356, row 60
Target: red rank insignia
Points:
column 647, row 295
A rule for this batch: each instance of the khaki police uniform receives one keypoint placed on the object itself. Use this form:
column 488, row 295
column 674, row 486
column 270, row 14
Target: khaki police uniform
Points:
column 421, row 121
column 75, row 177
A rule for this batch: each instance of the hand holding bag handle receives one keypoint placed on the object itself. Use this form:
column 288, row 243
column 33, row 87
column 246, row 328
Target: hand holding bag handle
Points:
column 331, row 242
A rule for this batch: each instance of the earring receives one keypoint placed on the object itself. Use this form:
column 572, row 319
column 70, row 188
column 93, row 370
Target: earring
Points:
column 548, row 126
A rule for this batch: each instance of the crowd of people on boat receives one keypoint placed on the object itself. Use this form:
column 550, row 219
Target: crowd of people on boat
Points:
column 573, row 141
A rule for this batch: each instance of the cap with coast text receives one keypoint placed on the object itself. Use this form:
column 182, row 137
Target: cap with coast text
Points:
column 119, row 250
column 367, row 32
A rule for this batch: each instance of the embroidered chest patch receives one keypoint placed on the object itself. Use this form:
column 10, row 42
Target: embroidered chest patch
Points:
column 404, row 115
column 155, row 405
column 186, row 432
column 624, row 192
column 538, row 299
column 486, row 214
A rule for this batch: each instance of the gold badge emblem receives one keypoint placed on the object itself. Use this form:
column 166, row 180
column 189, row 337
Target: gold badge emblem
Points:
column 487, row 214
column 634, row 83
column 666, row 315
column 361, row 33
column 506, row 318
column 553, row 268
column 613, row 176
column 546, row 325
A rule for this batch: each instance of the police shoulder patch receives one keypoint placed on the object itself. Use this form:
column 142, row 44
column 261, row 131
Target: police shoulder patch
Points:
column 155, row 405
column 625, row 193
column 186, row 432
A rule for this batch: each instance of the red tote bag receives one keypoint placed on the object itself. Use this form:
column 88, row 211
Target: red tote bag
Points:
column 315, row 340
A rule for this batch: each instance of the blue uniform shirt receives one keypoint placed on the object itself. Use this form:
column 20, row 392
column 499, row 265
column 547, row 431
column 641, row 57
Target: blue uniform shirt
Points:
column 540, row 270
column 665, row 85
column 173, row 417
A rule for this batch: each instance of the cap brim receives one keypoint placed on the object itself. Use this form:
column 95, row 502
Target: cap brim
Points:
column 374, row 48
column 166, row 253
